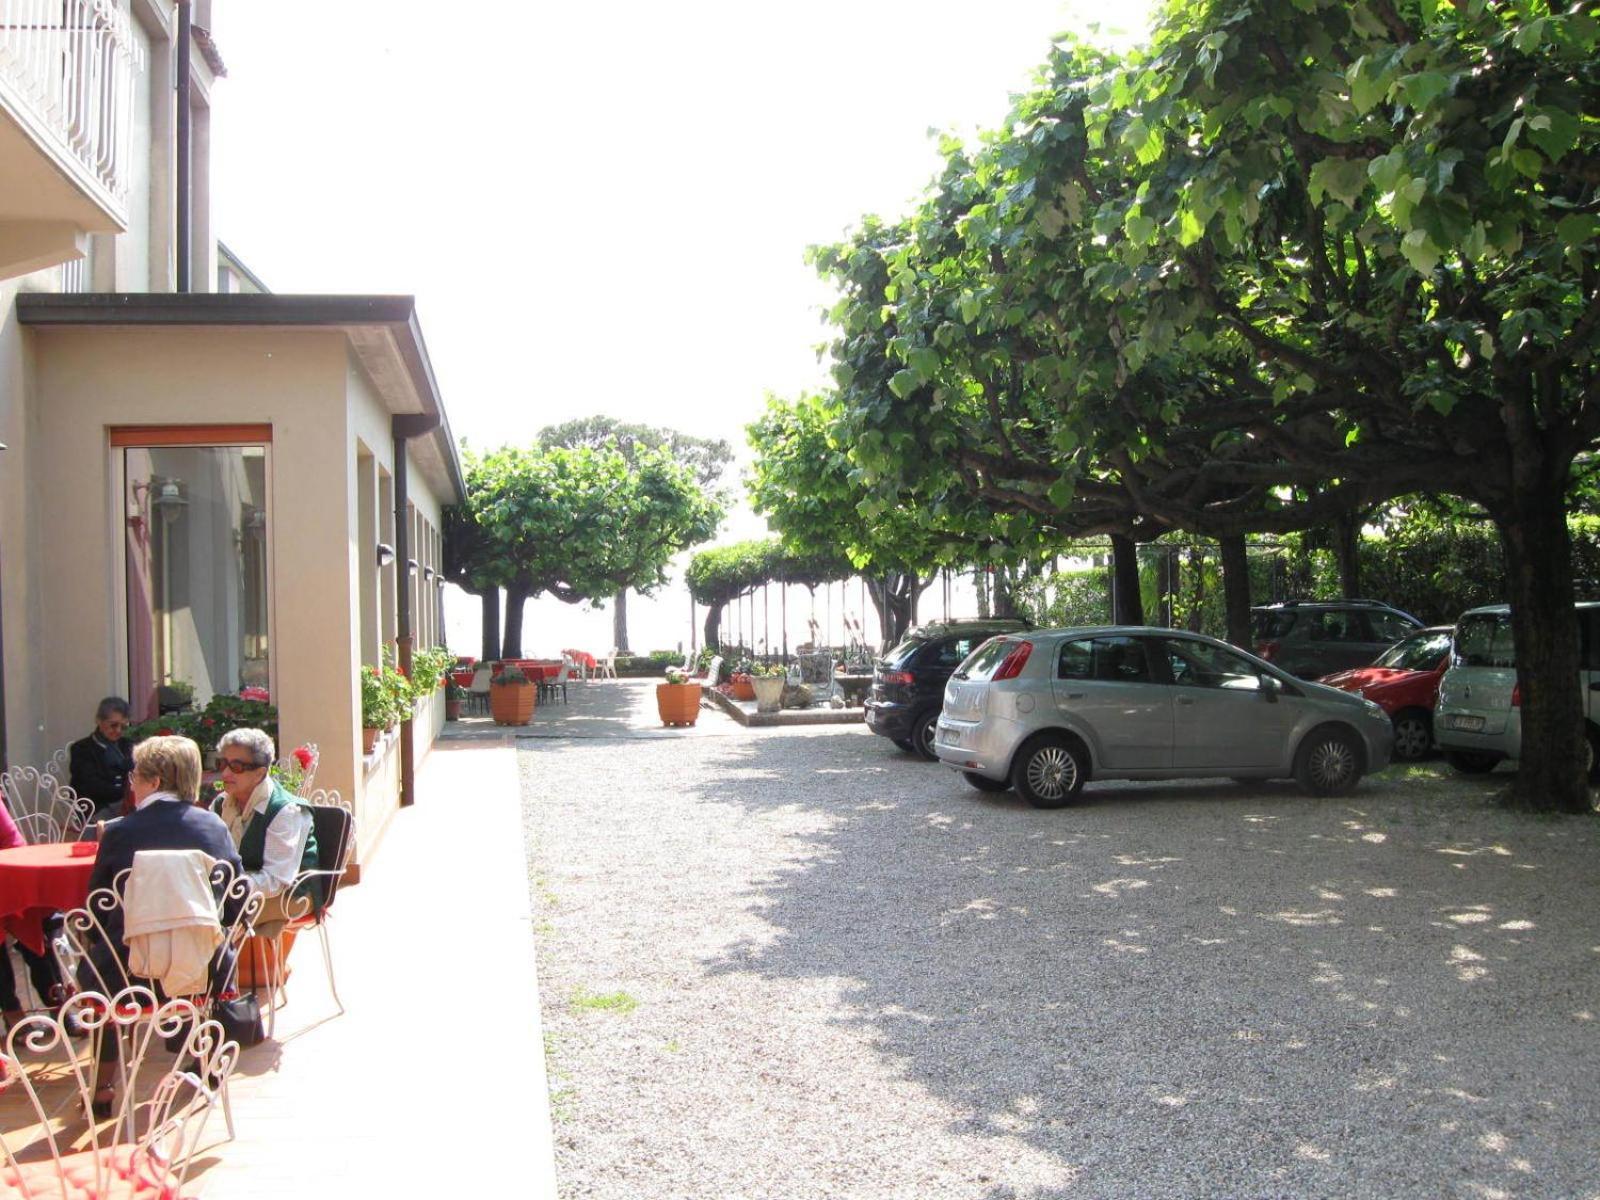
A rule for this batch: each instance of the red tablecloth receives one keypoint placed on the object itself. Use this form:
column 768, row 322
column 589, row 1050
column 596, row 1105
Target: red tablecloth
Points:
column 36, row 881
column 582, row 657
column 462, row 678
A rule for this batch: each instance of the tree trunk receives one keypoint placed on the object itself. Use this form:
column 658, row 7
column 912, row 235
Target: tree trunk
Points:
column 1163, row 582
column 1127, row 606
column 1236, row 588
column 619, row 621
column 1533, row 531
column 980, row 580
column 1346, row 534
column 713, row 626
column 1005, row 597
column 891, row 596
column 1197, row 589
column 516, row 601
column 490, row 599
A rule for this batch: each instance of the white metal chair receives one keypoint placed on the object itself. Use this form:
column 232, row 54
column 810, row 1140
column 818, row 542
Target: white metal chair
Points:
column 291, row 765
column 478, row 689
column 44, row 808
column 107, row 972
column 334, row 822
column 146, row 1149
column 60, row 765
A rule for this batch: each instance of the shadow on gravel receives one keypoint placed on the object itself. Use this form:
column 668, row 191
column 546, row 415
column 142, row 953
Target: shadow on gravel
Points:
column 1200, row 988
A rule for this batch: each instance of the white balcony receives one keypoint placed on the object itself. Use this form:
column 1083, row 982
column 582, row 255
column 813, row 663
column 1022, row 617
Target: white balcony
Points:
column 67, row 71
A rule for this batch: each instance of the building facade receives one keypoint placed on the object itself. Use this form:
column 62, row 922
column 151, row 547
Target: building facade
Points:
column 208, row 488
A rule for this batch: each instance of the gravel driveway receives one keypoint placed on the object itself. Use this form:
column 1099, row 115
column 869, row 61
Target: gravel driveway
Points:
column 797, row 963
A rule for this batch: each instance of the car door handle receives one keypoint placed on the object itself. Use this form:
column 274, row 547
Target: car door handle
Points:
column 1185, row 699
column 1075, row 695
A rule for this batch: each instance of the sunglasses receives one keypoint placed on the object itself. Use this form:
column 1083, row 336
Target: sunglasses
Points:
column 237, row 766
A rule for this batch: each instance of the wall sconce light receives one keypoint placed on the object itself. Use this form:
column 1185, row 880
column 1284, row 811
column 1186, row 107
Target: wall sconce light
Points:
column 427, row 573
column 411, row 566
column 169, row 499
column 385, row 554
column 439, row 581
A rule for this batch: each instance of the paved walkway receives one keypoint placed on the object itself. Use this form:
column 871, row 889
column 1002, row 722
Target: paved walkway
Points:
column 432, row 1082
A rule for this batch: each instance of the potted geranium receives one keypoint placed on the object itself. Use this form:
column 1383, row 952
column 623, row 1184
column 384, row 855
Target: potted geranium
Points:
column 767, row 683
column 377, row 707
column 454, row 697
column 678, row 699
column 512, row 697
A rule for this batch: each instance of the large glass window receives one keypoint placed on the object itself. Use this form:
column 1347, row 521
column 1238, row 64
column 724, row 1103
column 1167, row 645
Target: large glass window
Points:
column 197, row 566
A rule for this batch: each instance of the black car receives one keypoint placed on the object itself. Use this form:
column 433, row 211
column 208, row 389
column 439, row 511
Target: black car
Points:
column 908, row 682
column 1312, row 638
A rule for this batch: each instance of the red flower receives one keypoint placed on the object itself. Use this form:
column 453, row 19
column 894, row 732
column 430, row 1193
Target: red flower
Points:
column 302, row 755
column 163, row 732
column 207, row 722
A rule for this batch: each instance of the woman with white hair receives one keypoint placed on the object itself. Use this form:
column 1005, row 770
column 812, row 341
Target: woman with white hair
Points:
column 271, row 827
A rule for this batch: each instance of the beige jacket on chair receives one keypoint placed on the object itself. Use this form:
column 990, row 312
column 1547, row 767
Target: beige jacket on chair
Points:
column 170, row 921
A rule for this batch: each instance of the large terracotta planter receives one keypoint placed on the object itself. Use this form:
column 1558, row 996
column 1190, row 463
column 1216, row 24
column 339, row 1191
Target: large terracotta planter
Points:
column 743, row 688
column 769, row 692
column 513, row 703
column 678, row 703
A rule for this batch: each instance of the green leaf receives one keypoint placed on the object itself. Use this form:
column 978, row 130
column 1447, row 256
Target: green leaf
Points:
column 903, row 383
column 1528, row 162
column 1061, row 493
column 1367, row 85
column 1342, row 178
column 1578, row 230
column 1141, row 230
column 1420, row 251
column 1423, row 88
column 1554, row 131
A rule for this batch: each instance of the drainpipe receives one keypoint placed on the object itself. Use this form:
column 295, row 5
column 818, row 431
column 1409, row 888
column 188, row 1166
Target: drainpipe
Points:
column 404, row 428
column 185, row 189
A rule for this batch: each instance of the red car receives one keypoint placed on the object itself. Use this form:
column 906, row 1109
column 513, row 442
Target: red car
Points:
column 1404, row 682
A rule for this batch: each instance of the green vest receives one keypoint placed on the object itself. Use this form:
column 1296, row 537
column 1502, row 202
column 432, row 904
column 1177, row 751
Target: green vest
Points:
column 253, row 845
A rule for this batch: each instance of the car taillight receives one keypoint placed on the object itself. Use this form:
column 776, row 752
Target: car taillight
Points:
column 896, row 677
column 1516, row 695
column 1011, row 665
column 1267, row 650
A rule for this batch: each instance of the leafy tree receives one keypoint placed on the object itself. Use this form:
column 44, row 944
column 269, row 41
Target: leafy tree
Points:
column 576, row 524
column 723, row 574
column 706, row 457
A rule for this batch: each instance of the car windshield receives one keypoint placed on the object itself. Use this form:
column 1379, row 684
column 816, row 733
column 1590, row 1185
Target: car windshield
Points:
column 1272, row 623
column 1421, row 652
column 1484, row 640
column 981, row 663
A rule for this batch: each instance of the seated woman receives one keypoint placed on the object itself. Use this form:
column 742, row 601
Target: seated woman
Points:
column 165, row 779
column 271, row 827
column 99, row 764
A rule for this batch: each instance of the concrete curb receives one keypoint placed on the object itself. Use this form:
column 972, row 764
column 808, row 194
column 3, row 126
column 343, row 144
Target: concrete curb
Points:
column 745, row 714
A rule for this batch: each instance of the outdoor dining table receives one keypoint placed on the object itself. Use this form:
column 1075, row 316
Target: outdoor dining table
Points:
column 36, row 881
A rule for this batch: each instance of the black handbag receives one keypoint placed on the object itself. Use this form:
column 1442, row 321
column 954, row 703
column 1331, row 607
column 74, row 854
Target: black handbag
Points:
column 240, row 1018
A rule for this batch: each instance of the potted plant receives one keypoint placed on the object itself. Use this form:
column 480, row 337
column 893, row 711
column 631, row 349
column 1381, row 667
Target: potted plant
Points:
column 512, row 697
column 678, row 699
column 767, row 682
column 377, row 707
column 454, row 697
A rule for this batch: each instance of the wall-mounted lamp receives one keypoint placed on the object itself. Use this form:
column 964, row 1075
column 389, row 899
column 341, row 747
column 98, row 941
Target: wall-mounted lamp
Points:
column 411, row 566
column 427, row 573
column 439, row 580
column 169, row 499
column 385, row 554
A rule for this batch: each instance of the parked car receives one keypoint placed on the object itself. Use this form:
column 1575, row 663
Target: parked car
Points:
column 1404, row 682
column 908, row 682
column 1479, row 719
column 1048, row 710
column 1312, row 638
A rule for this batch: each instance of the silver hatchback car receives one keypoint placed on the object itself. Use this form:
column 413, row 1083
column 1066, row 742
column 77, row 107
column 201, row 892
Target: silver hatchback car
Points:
column 1048, row 710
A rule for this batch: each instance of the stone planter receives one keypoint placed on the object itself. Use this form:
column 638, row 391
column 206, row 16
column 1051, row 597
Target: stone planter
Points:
column 678, row 703
column 513, row 703
column 768, row 691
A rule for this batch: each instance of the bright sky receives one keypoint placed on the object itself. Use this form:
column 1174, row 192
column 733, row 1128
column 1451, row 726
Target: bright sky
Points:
column 601, row 208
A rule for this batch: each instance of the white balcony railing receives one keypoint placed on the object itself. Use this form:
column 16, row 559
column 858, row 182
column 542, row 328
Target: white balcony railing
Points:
column 72, row 64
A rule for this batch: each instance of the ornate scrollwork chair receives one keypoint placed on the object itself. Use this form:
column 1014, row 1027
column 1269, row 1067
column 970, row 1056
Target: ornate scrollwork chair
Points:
column 44, row 808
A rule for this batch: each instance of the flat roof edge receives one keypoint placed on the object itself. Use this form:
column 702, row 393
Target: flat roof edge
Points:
column 210, row 308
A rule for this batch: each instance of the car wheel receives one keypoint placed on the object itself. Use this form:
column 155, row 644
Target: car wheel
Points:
column 1049, row 771
column 984, row 784
column 922, row 735
column 905, row 744
column 1329, row 762
column 1413, row 735
column 1469, row 762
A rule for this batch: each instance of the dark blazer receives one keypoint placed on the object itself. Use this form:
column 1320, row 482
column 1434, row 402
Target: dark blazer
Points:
column 92, row 775
column 159, row 825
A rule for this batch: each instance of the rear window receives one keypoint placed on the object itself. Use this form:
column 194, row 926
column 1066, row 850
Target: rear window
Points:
column 1484, row 640
column 901, row 654
column 1272, row 624
column 986, row 659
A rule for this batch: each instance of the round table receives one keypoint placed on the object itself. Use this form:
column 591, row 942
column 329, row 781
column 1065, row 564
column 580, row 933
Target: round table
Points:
column 36, row 881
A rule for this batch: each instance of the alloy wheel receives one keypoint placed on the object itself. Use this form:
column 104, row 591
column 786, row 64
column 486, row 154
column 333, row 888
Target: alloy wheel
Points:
column 1333, row 761
column 1052, row 772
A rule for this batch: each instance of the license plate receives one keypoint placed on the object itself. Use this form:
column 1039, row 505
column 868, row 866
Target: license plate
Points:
column 950, row 736
column 872, row 716
column 1470, row 724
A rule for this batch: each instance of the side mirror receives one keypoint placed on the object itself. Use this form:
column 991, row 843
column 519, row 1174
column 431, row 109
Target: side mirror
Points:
column 1270, row 687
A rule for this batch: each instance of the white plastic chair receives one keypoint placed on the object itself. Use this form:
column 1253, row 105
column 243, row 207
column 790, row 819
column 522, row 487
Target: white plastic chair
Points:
column 606, row 668
column 478, row 689
column 147, row 1147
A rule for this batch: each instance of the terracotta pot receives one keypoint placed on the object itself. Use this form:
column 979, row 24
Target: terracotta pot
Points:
column 452, row 710
column 513, row 703
column 678, row 703
column 369, row 739
column 768, row 692
column 743, row 689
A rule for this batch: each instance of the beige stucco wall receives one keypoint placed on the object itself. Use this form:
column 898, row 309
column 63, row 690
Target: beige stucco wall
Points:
column 320, row 404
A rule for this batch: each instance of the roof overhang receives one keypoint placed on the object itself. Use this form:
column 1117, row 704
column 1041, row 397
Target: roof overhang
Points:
column 383, row 333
